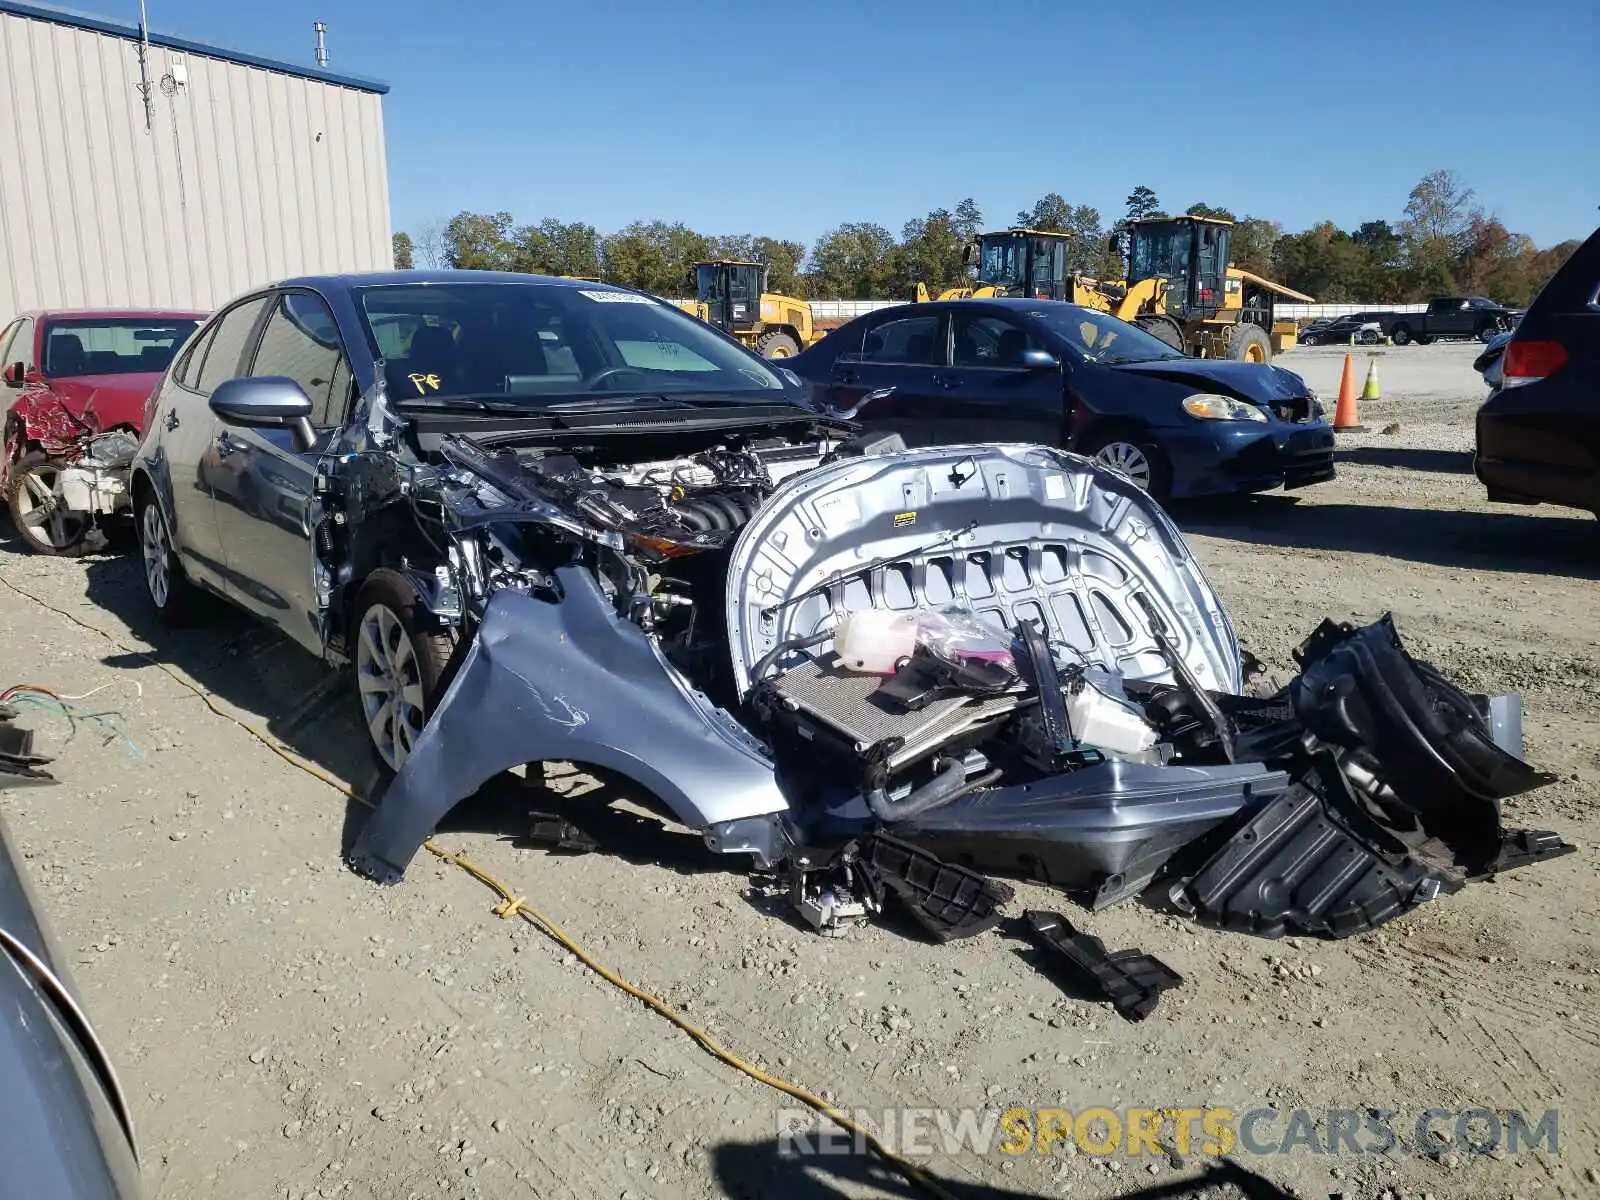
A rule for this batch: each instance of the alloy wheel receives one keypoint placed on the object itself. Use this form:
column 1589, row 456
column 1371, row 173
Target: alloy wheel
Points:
column 1126, row 459
column 390, row 681
column 40, row 508
column 156, row 548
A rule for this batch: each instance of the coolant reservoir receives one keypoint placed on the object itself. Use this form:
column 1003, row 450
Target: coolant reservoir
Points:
column 875, row 641
column 1099, row 719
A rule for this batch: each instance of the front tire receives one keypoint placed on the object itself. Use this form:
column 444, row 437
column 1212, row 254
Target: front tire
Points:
column 1166, row 329
column 1133, row 455
column 777, row 344
column 42, row 521
column 400, row 663
column 1249, row 343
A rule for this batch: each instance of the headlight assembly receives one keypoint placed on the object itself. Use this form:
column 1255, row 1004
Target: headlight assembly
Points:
column 1209, row 406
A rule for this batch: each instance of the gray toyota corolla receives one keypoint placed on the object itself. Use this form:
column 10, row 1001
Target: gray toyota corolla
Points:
column 548, row 519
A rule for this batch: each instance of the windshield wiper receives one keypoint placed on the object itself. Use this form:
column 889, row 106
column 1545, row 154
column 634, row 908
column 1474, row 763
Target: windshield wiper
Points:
column 461, row 404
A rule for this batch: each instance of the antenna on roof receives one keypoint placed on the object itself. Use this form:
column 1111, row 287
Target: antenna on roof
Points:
column 322, row 45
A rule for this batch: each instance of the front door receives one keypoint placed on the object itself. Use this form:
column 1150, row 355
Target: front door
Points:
column 987, row 394
column 188, row 432
column 266, row 519
column 891, row 382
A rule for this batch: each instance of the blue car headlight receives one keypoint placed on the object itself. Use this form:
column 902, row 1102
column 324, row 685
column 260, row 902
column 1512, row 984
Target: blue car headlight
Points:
column 1209, row 406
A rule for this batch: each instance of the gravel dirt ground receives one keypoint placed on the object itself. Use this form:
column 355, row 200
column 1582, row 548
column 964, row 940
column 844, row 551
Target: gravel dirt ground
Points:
column 287, row 1029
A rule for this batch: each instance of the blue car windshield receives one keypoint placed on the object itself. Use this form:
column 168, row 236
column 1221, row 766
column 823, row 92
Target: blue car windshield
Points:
column 540, row 343
column 1100, row 337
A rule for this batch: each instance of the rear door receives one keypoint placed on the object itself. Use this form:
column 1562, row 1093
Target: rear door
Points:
column 265, row 516
column 987, row 394
column 893, row 376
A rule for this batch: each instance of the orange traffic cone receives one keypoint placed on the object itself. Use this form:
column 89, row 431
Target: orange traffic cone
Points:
column 1347, row 417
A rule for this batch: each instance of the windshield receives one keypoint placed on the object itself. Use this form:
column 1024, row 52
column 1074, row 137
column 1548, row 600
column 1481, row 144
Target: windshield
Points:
column 1100, row 337
column 1004, row 262
column 537, row 343
column 1158, row 250
column 112, row 346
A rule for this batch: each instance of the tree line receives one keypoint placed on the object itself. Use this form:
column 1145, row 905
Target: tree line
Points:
column 1442, row 244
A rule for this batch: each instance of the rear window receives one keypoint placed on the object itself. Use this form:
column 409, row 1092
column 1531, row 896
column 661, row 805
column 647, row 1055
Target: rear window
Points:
column 119, row 346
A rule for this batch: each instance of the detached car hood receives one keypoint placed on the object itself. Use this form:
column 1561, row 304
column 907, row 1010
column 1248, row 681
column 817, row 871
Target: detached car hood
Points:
column 1258, row 383
column 1013, row 532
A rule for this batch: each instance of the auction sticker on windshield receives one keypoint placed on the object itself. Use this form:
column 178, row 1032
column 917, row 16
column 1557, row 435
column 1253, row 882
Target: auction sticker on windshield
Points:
column 615, row 297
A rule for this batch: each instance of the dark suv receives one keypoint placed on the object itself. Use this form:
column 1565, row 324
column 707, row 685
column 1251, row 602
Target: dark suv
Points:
column 1538, row 436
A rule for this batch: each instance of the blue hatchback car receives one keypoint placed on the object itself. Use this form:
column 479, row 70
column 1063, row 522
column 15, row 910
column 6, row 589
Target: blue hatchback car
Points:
column 1018, row 370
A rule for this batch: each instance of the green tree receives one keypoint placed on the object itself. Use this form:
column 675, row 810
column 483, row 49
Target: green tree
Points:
column 1253, row 239
column 1324, row 261
column 930, row 252
column 783, row 264
column 856, row 261
column 1205, row 210
column 968, row 219
column 1142, row 203
column 479, row 242
column 655, row 257
column 554, row 247
column 402, row 251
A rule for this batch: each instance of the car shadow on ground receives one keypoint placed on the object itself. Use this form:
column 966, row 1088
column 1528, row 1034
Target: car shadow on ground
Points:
column 769, row 1171
column 1535, row 541
column 1449, row 462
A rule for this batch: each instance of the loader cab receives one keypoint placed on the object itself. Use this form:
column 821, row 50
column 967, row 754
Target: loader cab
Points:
column 1191, row 254
column 1024, row 262
column 731, row 292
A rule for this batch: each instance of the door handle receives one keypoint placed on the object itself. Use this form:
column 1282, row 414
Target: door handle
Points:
column 226, row 445
column 172, row 418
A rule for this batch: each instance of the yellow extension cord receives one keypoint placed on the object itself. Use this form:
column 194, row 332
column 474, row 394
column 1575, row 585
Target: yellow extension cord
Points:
column 512, row 905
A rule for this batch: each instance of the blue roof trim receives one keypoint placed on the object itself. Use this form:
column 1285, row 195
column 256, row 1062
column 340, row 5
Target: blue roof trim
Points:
column 97, row 24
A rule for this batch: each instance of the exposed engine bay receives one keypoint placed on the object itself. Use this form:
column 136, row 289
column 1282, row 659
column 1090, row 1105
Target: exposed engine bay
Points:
column 880, row 672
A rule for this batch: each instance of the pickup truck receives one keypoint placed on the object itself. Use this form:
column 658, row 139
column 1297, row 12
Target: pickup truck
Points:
column 1450, row 317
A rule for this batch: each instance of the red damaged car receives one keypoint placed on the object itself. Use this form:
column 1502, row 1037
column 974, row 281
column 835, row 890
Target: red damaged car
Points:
column 78, row 379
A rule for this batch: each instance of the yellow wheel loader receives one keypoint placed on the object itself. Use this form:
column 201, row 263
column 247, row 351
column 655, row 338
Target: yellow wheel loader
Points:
column 733, row 297
column 1179, row 286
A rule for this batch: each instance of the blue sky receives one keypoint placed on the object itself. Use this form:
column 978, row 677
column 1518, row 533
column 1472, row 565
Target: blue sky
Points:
column 789, row 118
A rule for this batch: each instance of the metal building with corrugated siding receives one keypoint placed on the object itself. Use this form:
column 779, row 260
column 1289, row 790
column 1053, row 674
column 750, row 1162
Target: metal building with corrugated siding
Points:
column 180, row 181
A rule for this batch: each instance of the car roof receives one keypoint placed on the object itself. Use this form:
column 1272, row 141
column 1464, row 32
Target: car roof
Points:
column 355, row 279
column 160, row 314
column 1014, row 303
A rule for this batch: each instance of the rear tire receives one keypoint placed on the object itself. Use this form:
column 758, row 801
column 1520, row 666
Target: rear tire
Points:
column 1249, row 343
column 1487, row 331
column 777, row 344
column 177, row 601
column 400, row 662
column 1121, row 449
column 1401, row 335
column 1166, row 329
column 41, row 521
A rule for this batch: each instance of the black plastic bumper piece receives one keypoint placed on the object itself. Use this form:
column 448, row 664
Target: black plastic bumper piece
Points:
column 556, row 832
column 1131, row 980
column 948, row 901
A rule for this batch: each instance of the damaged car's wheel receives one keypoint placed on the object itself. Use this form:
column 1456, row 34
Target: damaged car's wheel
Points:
column 400, row 663
column 39, row 512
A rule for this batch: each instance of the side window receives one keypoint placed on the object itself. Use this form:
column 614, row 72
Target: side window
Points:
column 988, row 341
column 188, row 371
column 906, row 340
column 227, row 344
column 301, row 341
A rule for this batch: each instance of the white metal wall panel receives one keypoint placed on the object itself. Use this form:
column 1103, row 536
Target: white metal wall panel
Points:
column 245, row 175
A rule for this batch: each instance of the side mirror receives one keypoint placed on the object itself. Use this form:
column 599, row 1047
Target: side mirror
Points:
column 13, row 374
column 1040, row 360
column 266, row 402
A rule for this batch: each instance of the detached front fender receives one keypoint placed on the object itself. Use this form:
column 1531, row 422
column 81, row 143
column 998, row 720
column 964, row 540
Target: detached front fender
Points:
column 567, row 681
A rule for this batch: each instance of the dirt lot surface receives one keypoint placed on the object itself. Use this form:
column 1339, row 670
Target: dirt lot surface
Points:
column 287, row 1029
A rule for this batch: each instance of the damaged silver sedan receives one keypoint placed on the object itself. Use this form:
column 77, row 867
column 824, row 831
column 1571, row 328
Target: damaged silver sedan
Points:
column 556, row 520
